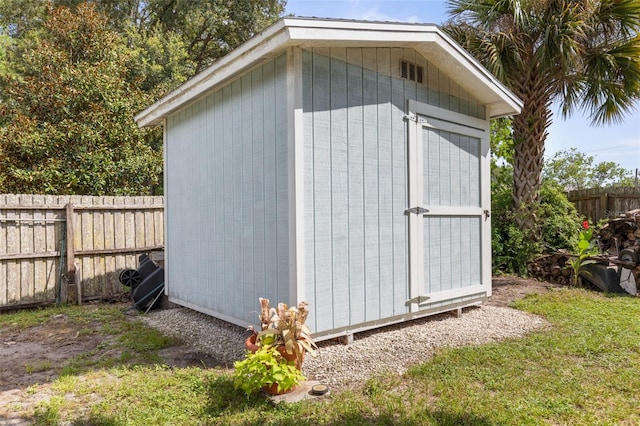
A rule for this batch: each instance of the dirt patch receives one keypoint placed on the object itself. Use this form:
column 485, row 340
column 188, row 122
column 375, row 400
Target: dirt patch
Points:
column 35, row 356
column 508, row 289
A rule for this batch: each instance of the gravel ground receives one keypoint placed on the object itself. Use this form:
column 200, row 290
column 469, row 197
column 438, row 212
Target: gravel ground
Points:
column 392, row 348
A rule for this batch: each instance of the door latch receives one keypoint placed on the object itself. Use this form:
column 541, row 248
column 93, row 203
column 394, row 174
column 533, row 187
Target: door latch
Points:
column 416, row 210
column 487, row 214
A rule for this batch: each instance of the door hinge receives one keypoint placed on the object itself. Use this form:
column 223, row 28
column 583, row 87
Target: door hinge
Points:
column 411, row 117
column 415, row 118
column 416, row 210
column 418, row 300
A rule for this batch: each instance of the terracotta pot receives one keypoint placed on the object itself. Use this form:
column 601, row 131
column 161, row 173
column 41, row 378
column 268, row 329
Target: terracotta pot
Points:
column 250, row 345
column 273, row 389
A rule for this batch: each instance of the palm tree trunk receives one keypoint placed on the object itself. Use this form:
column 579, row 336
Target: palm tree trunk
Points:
column 529, row 134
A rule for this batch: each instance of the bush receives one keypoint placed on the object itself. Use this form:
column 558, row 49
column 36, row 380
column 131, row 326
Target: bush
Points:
column 560, row 220
column 512, row 250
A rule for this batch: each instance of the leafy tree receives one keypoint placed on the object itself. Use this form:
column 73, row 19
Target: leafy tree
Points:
column 70, row 109
column 159, row 61
column 502, row 141
column 17, row 17
column 54, row 104
column 583, row 53
column 571, row 169
column 210, row 28
column 5, row 42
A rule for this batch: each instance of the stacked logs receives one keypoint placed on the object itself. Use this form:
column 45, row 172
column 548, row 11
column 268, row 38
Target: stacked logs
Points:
column 621, row 233
column 616, row 235
column 553, row 268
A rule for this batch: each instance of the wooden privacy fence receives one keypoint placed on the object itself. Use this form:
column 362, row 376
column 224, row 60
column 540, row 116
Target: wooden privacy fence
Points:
column 72, row 248
column 599, row 203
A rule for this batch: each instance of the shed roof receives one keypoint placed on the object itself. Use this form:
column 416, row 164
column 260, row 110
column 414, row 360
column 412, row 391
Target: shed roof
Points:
column 427, row 39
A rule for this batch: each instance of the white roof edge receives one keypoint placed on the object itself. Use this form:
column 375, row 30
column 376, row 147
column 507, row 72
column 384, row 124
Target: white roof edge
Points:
column 508, row 96
column 330, row 23
column 292, row 31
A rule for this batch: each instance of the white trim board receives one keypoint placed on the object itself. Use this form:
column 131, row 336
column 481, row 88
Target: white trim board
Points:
column 427, row 39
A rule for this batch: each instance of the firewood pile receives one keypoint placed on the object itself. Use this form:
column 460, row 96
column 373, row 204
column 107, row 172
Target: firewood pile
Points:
column 621, row 233
column 616, row 235
column 553, row 268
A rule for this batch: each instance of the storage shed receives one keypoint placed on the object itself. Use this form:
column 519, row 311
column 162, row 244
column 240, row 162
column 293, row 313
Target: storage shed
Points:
column 341, row 162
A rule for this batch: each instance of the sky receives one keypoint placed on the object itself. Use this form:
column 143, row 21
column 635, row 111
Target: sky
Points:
column 619, row 143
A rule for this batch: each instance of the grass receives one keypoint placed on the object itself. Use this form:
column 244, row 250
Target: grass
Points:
column 583, row 370
column 123, row 341
column 82, row 315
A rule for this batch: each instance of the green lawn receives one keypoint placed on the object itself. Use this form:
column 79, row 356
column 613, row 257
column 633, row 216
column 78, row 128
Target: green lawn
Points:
column 585, row 369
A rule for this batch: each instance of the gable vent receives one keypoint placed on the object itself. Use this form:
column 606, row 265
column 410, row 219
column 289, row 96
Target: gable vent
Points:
column 411, row 71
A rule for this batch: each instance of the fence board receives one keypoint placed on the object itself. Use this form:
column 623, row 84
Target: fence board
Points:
column 109, row 243
column 108, row 235
column 13, row 267
column 600, row 203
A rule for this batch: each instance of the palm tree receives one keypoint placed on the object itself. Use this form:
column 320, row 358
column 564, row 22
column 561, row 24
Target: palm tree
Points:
column 583, row 54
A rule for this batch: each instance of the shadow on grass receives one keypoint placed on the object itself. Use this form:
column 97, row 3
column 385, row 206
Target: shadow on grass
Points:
column 225, row 399
column 227, row 405
column 226, row 402
column 445, row 418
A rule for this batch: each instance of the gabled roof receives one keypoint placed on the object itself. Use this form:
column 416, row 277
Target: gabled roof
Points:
column 427, row 39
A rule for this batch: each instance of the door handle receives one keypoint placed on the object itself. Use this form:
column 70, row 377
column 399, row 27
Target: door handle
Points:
column 416, row 210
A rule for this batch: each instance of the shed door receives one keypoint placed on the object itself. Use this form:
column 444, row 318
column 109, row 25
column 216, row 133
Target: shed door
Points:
column 449, row 206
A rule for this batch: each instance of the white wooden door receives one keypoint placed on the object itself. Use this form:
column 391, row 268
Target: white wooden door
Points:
column 449, row 229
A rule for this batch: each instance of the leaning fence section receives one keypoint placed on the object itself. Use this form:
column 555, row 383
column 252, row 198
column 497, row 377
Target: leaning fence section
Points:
column 599, row 203
column 63, row 248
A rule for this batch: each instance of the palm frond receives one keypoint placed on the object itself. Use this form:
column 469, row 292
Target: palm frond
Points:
column 612, row 81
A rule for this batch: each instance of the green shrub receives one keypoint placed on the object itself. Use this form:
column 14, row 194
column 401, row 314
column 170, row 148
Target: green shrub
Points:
column 560, row 220
column 512, row 249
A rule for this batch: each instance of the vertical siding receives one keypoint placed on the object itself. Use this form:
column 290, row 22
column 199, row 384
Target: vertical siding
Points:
column 209, row 154
column 308, row 72
column 385, row 183
column 282, row 181
column 452, row 252
column 400, row 91
column 322, row 192
column 257, row 187
column 271, row 276
column 247, row 219
column 216, row 165
column 339, row 186
column 355, row 171
column 452, row 164
column 355, row 177
column 227, row 182
column 370, row 214
column 452, row 179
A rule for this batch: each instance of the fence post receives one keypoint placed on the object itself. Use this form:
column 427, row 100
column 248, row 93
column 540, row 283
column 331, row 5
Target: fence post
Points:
column 604, row 207
column 71, row 258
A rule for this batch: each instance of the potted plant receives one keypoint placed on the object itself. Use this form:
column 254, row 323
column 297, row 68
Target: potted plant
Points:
column 268, row 370
column 283, row 340
column 285, row 327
